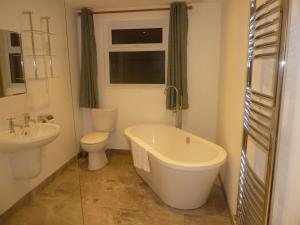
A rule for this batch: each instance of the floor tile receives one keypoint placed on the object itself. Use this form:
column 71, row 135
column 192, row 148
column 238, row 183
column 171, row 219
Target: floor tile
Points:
column 114, row 195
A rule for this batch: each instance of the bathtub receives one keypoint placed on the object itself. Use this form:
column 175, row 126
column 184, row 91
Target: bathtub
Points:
column 183, row 167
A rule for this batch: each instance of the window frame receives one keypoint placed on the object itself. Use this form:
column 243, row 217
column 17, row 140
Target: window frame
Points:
column 109, row 47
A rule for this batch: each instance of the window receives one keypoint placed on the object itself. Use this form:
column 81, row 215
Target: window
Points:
column 137, row 36
column 137, row 67
column 137, row 54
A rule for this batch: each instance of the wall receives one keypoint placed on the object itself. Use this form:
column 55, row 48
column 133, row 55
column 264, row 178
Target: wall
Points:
column 286, row 203
column 147, row 104
column 235, row 15
column 43, row 96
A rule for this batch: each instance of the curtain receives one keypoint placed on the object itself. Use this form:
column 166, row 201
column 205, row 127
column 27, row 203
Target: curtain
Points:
column 177, row 61
column 88, row 80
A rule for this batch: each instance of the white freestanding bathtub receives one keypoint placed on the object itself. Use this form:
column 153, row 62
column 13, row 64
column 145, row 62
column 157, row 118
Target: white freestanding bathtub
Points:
column 183, row 167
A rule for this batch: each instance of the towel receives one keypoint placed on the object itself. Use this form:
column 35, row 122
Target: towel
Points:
column 140, row 157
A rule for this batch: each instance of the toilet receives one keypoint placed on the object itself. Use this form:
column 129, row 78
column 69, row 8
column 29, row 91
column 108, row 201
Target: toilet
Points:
column 95, row 143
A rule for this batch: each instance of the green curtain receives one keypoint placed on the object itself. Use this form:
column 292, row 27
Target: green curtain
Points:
column 88, row 79
column 177, row 65
column 2, row 92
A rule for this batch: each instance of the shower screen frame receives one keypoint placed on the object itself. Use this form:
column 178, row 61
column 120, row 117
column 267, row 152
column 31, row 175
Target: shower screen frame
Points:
column 255, row 194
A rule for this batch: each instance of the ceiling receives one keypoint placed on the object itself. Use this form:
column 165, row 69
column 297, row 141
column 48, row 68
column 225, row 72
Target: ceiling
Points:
column 107, row 4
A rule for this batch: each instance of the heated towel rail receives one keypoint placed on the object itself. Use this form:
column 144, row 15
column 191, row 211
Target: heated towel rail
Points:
column 266, row 62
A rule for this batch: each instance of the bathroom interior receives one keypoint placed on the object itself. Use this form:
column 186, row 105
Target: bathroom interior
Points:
column 136, row 112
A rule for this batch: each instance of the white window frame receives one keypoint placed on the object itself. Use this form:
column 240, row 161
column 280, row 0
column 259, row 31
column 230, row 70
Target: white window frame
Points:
column 109, row 47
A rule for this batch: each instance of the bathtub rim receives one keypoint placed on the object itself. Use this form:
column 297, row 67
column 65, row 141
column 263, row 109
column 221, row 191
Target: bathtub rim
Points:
column 216, row 162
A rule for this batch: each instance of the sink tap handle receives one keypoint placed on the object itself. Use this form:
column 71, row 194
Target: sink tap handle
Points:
column 26, row 119
column 11, row 124
column 26, row 115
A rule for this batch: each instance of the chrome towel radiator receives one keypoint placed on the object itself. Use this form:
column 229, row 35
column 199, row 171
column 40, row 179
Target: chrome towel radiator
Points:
column 266, row 63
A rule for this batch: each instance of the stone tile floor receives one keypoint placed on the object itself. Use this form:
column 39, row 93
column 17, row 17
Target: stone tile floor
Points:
column 115, row 195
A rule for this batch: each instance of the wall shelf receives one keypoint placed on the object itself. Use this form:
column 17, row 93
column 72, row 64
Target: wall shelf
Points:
column 41, row 78
column 38, row 61
column 42, row 55
column 40, row 32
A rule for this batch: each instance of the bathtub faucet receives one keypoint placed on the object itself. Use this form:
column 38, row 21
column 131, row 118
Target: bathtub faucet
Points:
column 178, row 106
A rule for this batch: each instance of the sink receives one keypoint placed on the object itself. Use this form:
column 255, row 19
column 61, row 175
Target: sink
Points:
column 35, row 136
column 24, row 148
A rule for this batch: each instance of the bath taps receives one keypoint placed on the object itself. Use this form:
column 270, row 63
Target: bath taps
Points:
column 27, row 120
column 178, row 106
column 12, row 125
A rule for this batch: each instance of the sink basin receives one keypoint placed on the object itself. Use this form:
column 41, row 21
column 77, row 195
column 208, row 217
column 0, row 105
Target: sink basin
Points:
column 36, row 136
column 24, row 148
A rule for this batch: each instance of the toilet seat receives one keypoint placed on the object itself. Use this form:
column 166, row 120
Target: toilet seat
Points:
column 94, row 142
column 94, row 138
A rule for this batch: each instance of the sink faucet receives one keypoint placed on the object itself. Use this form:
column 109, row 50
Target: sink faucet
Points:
column 178, row 107
column 12, row 125
column 27, row 120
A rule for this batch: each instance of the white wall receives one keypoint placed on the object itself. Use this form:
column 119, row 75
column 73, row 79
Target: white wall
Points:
column 52, row 96
column 286, row 204
column 235, row 15
column 147, row 104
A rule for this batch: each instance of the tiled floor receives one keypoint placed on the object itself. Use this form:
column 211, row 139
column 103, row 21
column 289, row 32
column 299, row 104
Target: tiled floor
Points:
column 114, row 195
column 59, row 203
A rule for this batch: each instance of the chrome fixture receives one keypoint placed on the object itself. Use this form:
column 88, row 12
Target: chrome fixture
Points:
column 12, row 125
column 45, row 118
column 178, row 107
column 27, row 120
column 45, row 52
column 33, row 47
column 267, row 40
column 47, row 19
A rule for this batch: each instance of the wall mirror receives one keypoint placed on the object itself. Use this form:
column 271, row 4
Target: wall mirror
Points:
column 12, row 79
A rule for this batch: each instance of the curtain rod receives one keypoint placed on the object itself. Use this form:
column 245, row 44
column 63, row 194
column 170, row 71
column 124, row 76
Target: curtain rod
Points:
column 134, row 10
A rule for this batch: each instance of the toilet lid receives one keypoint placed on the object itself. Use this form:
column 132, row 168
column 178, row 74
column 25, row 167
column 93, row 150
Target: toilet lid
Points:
column 94, row 138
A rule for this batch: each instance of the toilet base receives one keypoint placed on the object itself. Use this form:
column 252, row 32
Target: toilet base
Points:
column 97, row 160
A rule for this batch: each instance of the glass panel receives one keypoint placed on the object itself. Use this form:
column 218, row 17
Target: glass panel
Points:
column 137, row 36
column 137, row 67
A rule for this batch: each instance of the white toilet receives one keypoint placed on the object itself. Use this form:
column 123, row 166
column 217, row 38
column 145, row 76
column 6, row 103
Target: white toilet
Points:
column 95, row 143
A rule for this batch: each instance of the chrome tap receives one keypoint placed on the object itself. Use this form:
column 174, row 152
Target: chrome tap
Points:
column 178, row 106
column 27, row 120
column 12, row 125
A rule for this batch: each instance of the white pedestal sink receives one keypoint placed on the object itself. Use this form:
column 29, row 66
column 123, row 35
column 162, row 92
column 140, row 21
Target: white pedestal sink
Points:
column 24, row 148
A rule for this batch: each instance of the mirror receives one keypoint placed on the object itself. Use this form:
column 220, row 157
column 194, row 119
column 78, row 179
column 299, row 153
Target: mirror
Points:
column 12, row 80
